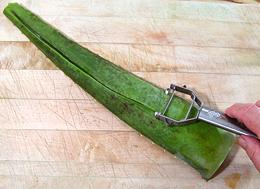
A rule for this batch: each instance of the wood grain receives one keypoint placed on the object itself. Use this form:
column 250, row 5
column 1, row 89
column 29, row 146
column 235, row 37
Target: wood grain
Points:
column 166, row 9
column 53, row 134
column 57, row 115
column 148, row 31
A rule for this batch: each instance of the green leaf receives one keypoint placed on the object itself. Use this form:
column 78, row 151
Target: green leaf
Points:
column 129, row 97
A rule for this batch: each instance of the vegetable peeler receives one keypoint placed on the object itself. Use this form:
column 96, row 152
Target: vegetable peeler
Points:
column 206, row 114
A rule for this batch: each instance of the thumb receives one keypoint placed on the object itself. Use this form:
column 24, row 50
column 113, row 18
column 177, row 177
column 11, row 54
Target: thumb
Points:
column 252, row 148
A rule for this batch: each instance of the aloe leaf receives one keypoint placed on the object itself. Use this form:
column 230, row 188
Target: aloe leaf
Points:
column 131, row 98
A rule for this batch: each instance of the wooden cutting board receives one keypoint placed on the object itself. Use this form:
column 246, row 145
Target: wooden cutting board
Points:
column 54, row 135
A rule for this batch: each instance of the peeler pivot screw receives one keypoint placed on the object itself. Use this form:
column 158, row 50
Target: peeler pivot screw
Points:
column 167, row 91
column 157, row 114
column 173, row 87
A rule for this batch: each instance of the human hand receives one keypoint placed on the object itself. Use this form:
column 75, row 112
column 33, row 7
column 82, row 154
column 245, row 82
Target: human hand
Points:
column 249, row 114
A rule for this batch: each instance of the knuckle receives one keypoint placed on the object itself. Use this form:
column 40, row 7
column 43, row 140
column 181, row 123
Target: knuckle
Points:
column 254, row 154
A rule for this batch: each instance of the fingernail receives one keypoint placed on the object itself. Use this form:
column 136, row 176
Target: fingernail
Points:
column 242, row 142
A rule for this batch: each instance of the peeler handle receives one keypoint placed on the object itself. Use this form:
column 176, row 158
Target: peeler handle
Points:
column 224, row 122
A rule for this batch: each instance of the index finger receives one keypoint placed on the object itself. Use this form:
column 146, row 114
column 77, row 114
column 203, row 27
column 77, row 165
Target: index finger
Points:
column 249, row 114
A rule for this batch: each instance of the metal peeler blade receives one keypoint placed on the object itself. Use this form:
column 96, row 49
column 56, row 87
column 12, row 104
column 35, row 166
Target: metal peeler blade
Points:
column 206, row 114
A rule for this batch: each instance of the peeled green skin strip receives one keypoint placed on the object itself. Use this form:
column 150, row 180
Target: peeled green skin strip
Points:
column 129, row 97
